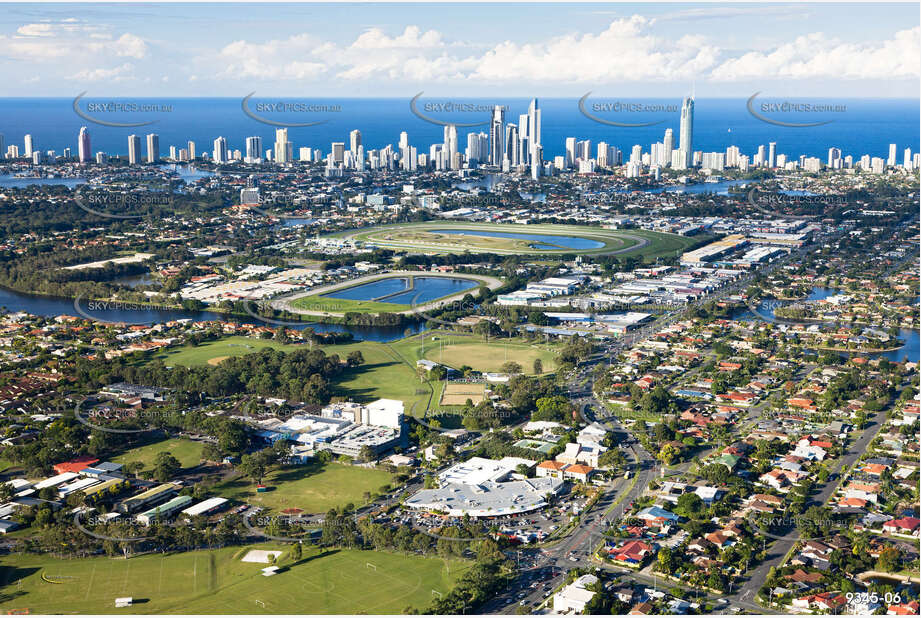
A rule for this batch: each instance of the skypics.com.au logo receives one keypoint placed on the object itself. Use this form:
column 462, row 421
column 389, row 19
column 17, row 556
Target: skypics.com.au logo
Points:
column 119, row 108
column 447, row 107
column 121, row 204
column 114, row 311
column 625, row 107
column 801, row 108
column 278, row 112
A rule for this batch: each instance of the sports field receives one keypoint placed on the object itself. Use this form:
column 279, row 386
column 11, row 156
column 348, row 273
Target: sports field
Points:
column 457, row 393
column 218, row 582
column 457, row 350
column 212, row 352
column 313, row 487
column 188, row 452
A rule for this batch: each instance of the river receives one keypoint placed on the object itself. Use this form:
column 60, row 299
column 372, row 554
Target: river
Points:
column 51, row 306
column 911, row 338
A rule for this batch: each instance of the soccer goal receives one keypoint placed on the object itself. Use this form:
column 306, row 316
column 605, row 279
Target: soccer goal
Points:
column 435, row 593
column 368, row 565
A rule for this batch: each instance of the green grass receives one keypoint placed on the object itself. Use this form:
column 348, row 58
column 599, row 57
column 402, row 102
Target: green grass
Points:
column 385, row 374
column 457, row 350
column 191, row 355
column 313, row 487
column 188, row 452
column 318, row 302
column 217, row 582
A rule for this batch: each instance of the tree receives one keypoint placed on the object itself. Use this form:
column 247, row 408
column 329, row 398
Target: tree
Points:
column 666, row 561
column 511, row 368
column 355, row 358
column 366, row 453
column 538, row 366
column 690, row 505
column 551, row 409
column 888, row 561
column 165, row 466
column 253, row 466
column 668, row 454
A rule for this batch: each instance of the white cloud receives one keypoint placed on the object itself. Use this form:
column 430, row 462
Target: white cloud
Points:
column 70, row 38
column 115, row 74
column 818, row 56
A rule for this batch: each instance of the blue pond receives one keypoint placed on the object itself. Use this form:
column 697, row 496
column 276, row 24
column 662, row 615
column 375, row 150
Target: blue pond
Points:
column 540, row 241
column 398, row 291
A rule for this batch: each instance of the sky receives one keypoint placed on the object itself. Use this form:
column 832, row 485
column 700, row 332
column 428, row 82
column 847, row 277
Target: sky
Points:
column 470, row 50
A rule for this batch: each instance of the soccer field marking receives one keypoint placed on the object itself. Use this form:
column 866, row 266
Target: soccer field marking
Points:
column 89, row 586
column 127, row 571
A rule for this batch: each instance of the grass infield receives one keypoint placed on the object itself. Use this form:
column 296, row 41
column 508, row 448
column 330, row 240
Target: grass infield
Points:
column 313, row 487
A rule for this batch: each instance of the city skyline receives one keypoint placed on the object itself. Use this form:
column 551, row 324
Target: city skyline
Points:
column 507, row 146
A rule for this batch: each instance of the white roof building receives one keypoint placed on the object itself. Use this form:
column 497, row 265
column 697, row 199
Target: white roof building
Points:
column 573, row 598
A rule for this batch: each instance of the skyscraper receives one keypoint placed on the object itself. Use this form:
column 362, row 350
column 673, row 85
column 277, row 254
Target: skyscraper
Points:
column 28, row 145
column 220, row 150
column 134, row 149
column 686, row 133
column 337, row 155
column 253, row 149
column 891, row 161
column 512, row 152
column 83, row 146
column 153, row 148
column 772, row 154
column 570, row 152
column 354, row 141
column 450, row 148
column 284, row 150
column 497, row 136
column 533, row 128
column 668, row 144
column 191, row 148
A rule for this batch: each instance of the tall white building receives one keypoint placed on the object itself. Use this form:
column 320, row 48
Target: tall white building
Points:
column 477, row 151
column 570, row 152
column 686, row 133
column 191, row 148
column 219, row 154
column 354, row 141
column 450, row 146
column 732, row 156
column 84, row 153
column 772, row 154
column 284, row 150
column 534, row 117
column 134, row 149
column 153, row 148
column 892, row 161
column 636, row 154
column 29, row 145
column 497, row 136
column 834, row 158
column 669, row 144
column 337, row 154
column 253, row 149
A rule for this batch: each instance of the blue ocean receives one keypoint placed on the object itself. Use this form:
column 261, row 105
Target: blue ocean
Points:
column 860, row 126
